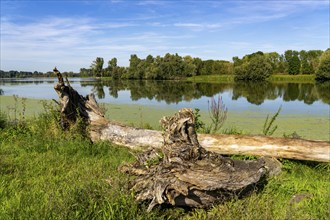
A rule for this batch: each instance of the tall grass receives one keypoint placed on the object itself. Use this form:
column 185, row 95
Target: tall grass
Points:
column 269, row 128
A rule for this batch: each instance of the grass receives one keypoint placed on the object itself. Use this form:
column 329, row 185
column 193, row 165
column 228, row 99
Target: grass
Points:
column 292, row 78
column 50, row 174
column 47, row 173
column 306, row 126
column 273, row 78
column 211, row 78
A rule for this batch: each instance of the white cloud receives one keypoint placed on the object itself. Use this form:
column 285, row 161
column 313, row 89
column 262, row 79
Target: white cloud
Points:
column 199, row 26
column 76, row 41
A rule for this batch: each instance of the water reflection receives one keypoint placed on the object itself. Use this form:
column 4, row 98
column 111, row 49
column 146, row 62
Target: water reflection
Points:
column 176, row 91
column 168, row 91
column 323, row 90
column 304, row 97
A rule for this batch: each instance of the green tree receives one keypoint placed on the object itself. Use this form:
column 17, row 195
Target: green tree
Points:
column 292, row 58
column 133, row 67
column 306, row 66
column 314, row 58
column 274, row 60
column 222, row 67
column 97, row 67
column 189, row 68
column 198, row 64
column 207, row 67
column 254, row 68
column 323, row 70
column 85, row 72
column 113, row 69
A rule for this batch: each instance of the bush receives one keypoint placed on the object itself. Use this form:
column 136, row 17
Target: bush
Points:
column 255, row 69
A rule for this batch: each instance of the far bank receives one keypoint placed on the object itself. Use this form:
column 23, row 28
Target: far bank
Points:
column 272, row 78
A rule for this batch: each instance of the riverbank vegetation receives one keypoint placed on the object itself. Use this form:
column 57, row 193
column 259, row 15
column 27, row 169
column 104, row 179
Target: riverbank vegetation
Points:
column 255, row 66
column 48, row 173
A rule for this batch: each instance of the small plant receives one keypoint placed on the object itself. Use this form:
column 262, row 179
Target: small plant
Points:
column 3, row 120
column 293, row 135
column 217, row 113
column 268, row 129
column 22, row 114
column 154, row 160
column 199, row 124
column 232, row 130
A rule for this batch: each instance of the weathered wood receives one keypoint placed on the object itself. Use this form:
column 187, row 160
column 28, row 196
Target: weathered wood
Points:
column 290, row 148
column 188, row 175
column 277, row 147
column 103, row 129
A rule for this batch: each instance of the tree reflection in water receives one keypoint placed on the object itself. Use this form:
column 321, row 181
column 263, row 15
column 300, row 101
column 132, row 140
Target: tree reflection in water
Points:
column 173, row 92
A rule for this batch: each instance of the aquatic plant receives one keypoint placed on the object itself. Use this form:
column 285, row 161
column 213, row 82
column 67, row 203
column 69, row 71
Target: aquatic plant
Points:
column 268, row 129
column 218, row 114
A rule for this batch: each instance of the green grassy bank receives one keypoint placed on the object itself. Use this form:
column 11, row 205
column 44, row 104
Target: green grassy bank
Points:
column 46, row 173
column 306, row 126
column 272, row 78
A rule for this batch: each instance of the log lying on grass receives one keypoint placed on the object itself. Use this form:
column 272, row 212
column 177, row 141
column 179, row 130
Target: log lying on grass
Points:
column 103, row 129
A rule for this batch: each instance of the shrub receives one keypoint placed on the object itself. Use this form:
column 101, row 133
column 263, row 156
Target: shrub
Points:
column 256, row 69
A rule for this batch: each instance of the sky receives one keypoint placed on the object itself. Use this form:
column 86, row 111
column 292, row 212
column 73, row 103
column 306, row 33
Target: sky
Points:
column 39, row 35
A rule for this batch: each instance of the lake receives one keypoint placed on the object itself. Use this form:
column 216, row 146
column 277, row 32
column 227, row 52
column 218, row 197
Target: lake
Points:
column 295, row 98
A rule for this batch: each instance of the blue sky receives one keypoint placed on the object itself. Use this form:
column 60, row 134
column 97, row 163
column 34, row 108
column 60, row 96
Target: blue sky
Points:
column 38, row 35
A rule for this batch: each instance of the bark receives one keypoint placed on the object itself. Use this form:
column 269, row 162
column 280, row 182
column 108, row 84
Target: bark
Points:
column 290, row 148
column 183, row 173
column 102, row 129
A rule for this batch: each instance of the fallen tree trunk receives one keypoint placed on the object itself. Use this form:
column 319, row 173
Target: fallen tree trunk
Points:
column 289, row 148
column 103, row 129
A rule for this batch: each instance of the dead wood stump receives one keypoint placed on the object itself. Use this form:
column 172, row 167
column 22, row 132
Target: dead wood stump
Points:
column 185, row 174
column 74, row 105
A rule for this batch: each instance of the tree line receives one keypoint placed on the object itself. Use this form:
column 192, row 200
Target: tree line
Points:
column 255, row 66
column 27, row 74
column 251, row 67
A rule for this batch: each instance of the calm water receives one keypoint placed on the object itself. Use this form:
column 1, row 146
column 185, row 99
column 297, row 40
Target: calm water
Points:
column 295, row 98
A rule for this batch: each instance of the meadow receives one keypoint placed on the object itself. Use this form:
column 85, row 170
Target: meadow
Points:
column 48, row 173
